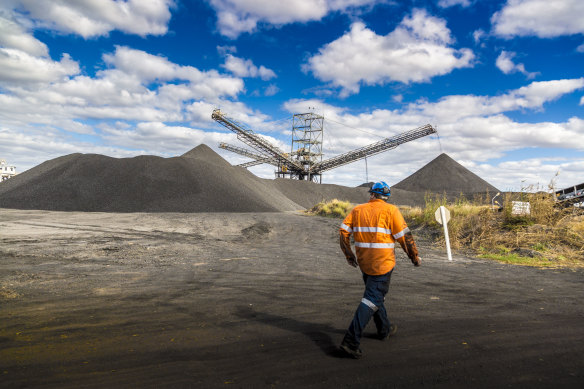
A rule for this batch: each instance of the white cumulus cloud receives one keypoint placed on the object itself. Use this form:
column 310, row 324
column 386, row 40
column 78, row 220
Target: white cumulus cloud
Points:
column 238, row 16
column 91, row 18
column 532, row 96
column 20, row 67
column 452, row 3
column 505, row 63
column 541, row 18
column 417, row 50
column 245, row 68
column 135, row 86
column 15, row 36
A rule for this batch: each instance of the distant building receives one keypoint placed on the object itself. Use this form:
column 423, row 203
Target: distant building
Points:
column 6, row 171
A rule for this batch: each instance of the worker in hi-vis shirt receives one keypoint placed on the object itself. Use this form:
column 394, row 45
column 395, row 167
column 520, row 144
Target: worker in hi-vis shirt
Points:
column 376, row 226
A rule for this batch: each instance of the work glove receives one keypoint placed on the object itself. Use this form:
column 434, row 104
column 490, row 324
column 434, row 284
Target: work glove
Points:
column 411, row 249
column 352, row 261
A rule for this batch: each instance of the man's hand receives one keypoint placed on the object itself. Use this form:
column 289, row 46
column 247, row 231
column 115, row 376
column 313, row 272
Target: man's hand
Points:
column 352, row 261
column 417, row 261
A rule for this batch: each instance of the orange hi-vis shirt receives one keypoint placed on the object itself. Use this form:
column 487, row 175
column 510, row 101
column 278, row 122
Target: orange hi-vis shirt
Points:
column 376, row 227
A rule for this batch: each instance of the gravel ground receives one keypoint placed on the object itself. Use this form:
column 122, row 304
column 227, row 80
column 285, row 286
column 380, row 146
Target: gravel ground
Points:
column 206, row 300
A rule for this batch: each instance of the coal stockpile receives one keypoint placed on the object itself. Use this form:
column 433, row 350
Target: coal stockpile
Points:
column 442, row 175
column 201, row 181
column 198, row 181
column 307, row 193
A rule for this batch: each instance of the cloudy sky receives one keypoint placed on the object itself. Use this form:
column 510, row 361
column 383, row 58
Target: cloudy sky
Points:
column 502, row 81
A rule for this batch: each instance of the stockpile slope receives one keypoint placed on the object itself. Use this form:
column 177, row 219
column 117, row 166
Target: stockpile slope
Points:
column 442, row 175
column 307, row 193
column 198, row 181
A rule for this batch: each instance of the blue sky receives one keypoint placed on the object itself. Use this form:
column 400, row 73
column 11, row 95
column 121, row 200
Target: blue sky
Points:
column 502, row 81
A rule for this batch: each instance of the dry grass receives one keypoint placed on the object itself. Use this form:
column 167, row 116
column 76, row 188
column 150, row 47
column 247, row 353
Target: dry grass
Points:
column 334, row 208
column 548, row 236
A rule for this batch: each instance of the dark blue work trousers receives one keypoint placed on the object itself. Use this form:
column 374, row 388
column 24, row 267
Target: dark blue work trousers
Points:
column 372, row 304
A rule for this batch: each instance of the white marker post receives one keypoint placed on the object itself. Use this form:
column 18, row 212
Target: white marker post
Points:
column 442, row 215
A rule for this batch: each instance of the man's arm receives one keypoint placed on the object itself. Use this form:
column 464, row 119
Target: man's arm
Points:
column 409, row 246
column 346, row 247
column 405, row 238
column 345, row 241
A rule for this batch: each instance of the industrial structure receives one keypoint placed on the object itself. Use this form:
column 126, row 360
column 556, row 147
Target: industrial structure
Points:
column 571, row 195
column 6, row 171
column 304, row 162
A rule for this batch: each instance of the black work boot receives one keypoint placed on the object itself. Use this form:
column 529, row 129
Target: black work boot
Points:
column 353, row 352
column 392, row 331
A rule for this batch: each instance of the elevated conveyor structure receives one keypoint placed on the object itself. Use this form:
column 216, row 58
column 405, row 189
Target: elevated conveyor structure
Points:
column 301, row 164
column 374, row 148
column 258, row 159
column 285, row 164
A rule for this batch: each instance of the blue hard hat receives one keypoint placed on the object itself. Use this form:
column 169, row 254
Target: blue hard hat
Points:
column 380, row 188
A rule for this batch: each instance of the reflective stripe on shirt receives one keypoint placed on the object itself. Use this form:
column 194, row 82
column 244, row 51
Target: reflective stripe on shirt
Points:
column 374, row 245
column 373, row 229
column 346, row 228
column 402, row 233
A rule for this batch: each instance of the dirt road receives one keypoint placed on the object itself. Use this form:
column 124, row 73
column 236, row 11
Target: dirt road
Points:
column 102, row 300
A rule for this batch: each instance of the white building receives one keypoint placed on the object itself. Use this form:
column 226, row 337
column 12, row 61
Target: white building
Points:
column 6, row 171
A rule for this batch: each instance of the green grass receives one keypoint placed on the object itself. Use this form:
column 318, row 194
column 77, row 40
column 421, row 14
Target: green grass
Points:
column 515, row 259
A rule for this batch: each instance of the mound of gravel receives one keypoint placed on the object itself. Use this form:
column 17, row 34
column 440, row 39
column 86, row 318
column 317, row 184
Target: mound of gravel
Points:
column 201, row 181
column 444, row 175
column 197, row 181
column 307, row 193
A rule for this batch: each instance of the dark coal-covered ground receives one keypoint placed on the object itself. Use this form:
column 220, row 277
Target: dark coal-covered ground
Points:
column 262, row 300
column 192, row 273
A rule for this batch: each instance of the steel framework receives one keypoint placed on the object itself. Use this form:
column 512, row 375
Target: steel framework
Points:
column 307, row 135
column 375, row 148
column 247, row 136
column 303, row 162
column 258, row 159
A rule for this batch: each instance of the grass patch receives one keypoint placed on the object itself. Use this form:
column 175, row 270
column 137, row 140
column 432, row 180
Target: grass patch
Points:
column 547, row 237
column 551, row 236
column 334, row 208
column 515, row 259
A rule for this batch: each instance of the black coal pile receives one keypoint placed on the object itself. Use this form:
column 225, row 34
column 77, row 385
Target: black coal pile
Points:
column 198, row 181
column 441, row 176
column 201, row 181
column 307, row 193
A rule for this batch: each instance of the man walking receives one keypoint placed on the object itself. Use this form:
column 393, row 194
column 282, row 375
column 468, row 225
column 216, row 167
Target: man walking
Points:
column 376, row 225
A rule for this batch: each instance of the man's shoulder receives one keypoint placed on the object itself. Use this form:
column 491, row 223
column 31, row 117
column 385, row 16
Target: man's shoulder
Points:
column 361, row 206
column 390, row 206
column 386, row 207
column 382, row 204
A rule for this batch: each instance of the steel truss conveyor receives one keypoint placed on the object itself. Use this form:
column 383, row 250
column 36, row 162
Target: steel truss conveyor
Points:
column 374, row 148
column 257, row 142
column 287, row 165
column 258, row 159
